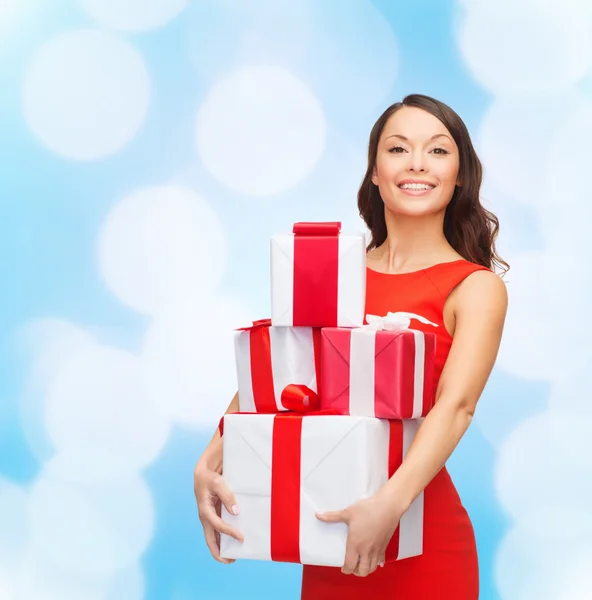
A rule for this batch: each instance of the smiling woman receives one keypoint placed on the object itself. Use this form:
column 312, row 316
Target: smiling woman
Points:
column 432, row 254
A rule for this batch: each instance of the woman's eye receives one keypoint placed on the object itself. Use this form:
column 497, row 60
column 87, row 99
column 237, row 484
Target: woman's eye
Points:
column 400, row 150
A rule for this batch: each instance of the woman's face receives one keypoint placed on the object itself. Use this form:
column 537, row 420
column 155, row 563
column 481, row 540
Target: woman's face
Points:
column 417, row 163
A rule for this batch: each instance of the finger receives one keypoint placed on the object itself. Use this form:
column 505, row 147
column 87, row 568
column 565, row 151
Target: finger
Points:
column 381, row 560
column 230, row 560
column 213, row 545
column 351, row 561
column 337, row 516
column 210, row 517
column 364, row 566
column 373, row 564
column 221, row 527
column 226, row 496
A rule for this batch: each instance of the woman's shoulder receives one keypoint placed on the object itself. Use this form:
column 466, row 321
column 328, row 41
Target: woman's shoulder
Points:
column 481, row 289
column 483, row 278
column 454, row 275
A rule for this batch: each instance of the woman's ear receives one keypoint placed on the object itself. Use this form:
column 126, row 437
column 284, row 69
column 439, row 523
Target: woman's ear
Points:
column 374, row 177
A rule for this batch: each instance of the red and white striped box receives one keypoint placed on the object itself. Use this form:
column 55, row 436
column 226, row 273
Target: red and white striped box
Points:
column 276, row 367
column 284, row 468
column 318, row 277
column 382, row 370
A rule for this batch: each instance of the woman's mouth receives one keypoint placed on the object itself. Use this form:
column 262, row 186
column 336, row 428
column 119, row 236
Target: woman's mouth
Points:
column 415, row 188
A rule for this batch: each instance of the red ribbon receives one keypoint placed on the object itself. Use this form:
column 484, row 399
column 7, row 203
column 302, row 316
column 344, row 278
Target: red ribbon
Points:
column 285, row 484
column 285, row 488
column 317, row 228
column 394, row 462
column 316, row 272
column 261, row 370
column 429, row 389
column 257, row 324
column 299, row 398
column 294, row 397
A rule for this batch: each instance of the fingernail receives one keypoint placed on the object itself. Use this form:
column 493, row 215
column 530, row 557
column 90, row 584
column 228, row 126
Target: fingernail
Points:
column 381, row 564
column 235, row 509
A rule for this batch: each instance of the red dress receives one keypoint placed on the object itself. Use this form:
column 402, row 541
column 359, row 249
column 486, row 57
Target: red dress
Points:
column 448, row 567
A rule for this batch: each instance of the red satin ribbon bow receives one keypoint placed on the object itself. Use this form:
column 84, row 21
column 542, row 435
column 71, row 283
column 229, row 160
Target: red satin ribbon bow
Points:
column 300, row 398
column 256, row 325
column 321, row 228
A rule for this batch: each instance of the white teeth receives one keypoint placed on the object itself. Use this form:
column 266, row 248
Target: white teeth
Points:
column 416, row 186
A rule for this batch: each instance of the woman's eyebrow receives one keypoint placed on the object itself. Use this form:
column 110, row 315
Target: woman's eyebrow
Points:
column 402, row 137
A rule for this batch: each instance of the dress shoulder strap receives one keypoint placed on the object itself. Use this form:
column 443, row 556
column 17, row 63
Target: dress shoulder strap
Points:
column 447, row 276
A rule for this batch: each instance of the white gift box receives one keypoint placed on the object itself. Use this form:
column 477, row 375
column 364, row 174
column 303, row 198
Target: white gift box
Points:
column 318, row 279
column 270, row 358
column 283, row 469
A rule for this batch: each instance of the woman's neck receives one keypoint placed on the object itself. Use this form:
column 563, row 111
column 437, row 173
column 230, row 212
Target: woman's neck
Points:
column 413, row 242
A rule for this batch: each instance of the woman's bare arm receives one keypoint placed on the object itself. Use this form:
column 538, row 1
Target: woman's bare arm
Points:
column 212, row 455
column 480, row 309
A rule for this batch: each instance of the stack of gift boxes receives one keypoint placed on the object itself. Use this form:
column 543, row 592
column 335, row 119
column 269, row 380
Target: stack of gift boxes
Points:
column 329, row 405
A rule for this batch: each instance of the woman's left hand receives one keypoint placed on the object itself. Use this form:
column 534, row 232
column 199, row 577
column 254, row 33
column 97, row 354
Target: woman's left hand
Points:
column 371, row 524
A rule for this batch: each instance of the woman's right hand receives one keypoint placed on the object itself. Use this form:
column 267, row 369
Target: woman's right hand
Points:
column 211, row 492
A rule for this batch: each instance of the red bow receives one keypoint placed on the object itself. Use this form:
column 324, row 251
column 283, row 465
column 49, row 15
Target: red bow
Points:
column 328, row 228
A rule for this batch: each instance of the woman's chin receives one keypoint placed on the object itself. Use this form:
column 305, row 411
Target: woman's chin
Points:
column 416, row 208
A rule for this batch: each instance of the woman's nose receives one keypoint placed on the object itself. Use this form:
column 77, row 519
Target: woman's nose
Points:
column 417, row 162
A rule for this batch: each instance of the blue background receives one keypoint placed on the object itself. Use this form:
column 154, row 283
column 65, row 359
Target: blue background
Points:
column 53, row 204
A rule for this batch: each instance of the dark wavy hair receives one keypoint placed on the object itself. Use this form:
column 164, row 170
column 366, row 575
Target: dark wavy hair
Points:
column 469, row 228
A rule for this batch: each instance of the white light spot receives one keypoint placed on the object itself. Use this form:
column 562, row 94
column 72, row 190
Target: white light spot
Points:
column 568, row 395
column 336, row 181
column 86, row 94
column 128, row 584
column 12, row 16
column 567, row 214
column 38, row 579
column 536, row 566
column 7, row 7
column 47, row 345
column 189, row 356
column 260, row 131
column 502, row 406
column 516, row 232
column 91, row 466
column 312, row 39
column 576, row 578
column 100, row 413
column 91, row 530
column 517, row 152
column 133, row 15
column 14, row 524
column 526, row 45
column 6, row 589
column 546, row 331
column 161, row 245
column 544, row 474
